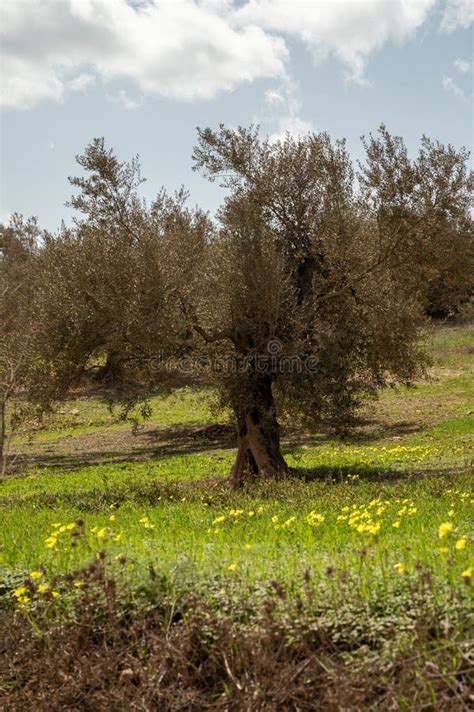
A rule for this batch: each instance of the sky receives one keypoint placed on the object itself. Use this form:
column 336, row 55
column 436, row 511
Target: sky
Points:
column 145, row 73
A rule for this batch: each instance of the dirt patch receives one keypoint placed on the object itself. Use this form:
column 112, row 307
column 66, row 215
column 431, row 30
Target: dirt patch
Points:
column 115, row 445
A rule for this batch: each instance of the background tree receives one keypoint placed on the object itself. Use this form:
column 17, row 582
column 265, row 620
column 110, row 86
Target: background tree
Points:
column 18, row 248
column 429, row 199
column 106, row 297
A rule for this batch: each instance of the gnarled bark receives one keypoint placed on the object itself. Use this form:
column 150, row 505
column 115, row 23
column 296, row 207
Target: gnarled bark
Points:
column 258, row 453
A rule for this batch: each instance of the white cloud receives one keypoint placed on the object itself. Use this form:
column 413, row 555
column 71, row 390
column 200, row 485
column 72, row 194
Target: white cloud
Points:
column 463, row 65
column 190, row 49
column 350, row 30
column 124, row 99
column 292, row 125
column 81, row 83
column 177, row 48
column 457, row 14
column 274, row 97
column 282, row 109
column 450, row 85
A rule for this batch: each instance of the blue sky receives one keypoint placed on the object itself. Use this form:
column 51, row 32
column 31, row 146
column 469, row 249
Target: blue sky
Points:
column 145, row 74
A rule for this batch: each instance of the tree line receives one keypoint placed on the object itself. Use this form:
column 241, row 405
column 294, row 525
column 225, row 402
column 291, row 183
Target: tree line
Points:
column 306, row 293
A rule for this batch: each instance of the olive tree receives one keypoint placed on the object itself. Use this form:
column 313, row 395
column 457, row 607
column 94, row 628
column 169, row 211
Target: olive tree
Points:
column 316, row 285
column 18, row 246
column 106, row 295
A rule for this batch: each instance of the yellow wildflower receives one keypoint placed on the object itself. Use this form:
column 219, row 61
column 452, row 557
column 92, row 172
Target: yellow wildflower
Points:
column 112, row 518
column 233, row 567
column 78, row 584
column 55, row 594
column 396, row 524
column 314, row 519
column 248, row 547
column 461, row 543
column 373, row 528
column 399, row 568
column 444, row 529
column 219, row 520
column 43, row 587
column 51, row 542
column 146, row 523
column 467, row 573
column 35, row 575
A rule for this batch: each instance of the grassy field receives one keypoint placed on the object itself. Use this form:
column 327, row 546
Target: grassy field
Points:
column 403, row 472
column 376, row 519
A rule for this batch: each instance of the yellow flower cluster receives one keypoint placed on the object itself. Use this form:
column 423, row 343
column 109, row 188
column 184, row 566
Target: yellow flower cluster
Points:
column 447, row 530
column 375, row 454
column 146, row 524
column 287, row 524
column 105, row 533
column 23, row 594
column 52, row 540
column 462, row 496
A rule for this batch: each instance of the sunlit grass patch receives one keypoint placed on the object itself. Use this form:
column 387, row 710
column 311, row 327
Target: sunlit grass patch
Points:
column 373, row 532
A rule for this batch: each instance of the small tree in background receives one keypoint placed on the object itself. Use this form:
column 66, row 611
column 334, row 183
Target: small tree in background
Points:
column 107, row 288
column 431, row 199
column 18, row 247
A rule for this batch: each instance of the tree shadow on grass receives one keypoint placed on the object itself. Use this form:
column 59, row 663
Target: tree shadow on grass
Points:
column 368, row 473
column 164, row 443
column 364, row 432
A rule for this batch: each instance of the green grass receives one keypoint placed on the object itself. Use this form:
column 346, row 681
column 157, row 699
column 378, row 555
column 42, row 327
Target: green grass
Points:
column 417, row 446
column 197, row 536
column 86, row 415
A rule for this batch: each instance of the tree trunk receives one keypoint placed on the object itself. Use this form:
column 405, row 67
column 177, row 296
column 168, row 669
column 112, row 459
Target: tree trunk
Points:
column 258, row 454
column 111, row 373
